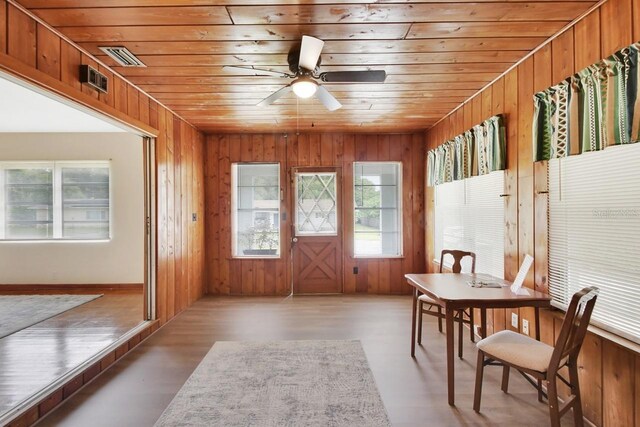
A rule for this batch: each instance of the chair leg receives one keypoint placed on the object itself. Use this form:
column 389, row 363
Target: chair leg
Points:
column 471, row 325
column 440, row 319
column 540, row 395
column 578, row 419
column 477, row 394
column 552, row 393
column 505, row 378
column 460, row 330
column 420, row 323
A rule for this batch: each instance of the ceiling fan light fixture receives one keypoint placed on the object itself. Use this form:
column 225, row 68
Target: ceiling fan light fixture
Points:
column 304, row 87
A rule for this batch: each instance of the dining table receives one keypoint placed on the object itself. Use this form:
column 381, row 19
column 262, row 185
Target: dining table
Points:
column 456, row 291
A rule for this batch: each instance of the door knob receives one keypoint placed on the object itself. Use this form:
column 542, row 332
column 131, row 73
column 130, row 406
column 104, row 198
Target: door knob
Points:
column 294, row 240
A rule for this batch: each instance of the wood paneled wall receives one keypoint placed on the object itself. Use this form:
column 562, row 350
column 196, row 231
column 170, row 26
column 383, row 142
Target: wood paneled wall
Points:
column 272, row 277
column 609, row 373
column 31, row 51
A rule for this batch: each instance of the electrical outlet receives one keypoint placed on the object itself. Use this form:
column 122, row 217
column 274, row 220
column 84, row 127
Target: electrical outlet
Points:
column 514, row 320
column 525, row 326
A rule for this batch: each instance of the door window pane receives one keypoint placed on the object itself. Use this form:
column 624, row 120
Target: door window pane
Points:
column 377, row 216
column 256, row 216
column 28, row 203
column 316, row 204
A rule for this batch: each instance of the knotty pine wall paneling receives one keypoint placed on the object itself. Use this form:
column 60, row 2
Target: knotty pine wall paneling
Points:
column 226, row 275
column 609, row 373
column 32, row 51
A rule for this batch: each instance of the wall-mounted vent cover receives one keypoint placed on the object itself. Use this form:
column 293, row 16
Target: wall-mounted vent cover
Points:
column 94, row 78
column 122, row 56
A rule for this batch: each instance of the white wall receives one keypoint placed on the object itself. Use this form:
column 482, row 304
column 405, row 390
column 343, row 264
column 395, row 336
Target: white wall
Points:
column 120, row 260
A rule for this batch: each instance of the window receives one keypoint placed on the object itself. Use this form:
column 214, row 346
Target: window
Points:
column 256, row 210
column 316, row 197
column 377, row 189
column 54, row 200
column 469, row 215
column 594, row 230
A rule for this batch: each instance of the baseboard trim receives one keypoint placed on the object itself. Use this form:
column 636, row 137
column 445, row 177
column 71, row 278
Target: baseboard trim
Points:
column 106, row 288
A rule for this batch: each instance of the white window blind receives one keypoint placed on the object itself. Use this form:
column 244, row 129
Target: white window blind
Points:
column 594, row 234
column 469, row 215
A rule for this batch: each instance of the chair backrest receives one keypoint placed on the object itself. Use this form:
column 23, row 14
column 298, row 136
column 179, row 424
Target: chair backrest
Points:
column 574, row 326
column 457, row 259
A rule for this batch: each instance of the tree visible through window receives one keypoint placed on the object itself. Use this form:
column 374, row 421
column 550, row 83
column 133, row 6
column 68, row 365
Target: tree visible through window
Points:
column 54, row 200
column 377, row 214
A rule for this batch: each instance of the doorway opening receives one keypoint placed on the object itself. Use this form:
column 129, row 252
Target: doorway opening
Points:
column 76, row 249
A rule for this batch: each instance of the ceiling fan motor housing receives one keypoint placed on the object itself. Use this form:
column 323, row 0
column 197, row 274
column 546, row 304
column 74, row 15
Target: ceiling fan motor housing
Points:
column 294, row 57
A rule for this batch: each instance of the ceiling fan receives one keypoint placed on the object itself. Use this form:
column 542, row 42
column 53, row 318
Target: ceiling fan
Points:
column 304, row 64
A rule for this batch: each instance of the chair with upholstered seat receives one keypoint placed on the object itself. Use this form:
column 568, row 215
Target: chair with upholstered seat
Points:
column 434, row 309
column 542, row 361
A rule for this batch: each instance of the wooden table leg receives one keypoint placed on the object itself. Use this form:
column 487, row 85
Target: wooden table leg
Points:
column 537, row 320
column 450, row 356
column 413, row 322
column 483, row 322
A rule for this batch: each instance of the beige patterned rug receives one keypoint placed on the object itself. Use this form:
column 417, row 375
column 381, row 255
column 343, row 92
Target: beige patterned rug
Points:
column 21, row 311
column 279, row 383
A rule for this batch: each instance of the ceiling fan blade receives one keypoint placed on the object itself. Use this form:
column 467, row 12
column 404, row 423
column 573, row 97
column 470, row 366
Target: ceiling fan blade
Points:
column 253, row 71
column 274, row 96
column 327, row 99
column 310, row 52
column 371, row 76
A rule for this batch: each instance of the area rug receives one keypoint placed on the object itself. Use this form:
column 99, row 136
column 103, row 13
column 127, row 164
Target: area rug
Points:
column 21, row 311
column 279, row 383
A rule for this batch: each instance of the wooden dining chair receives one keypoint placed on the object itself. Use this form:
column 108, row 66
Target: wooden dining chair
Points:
column 430, row 307
column 542, row 361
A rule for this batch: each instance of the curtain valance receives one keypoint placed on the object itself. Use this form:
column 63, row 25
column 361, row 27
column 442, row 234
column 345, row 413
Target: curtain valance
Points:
column 477, row 151
column 597, row 107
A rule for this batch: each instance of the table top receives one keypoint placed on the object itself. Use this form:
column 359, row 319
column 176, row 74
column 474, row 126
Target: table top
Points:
column 453, row 288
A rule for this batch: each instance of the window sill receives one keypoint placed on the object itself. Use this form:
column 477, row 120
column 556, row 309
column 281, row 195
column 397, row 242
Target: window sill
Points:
column 255, row 257
column 604, row 334
column 378, row 256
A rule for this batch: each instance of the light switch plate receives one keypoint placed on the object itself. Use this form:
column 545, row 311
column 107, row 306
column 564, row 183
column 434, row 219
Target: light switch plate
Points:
column 514, row 320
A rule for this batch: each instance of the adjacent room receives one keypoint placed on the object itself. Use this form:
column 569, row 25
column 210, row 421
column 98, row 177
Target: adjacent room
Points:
column 72, row 240
column 319, row 213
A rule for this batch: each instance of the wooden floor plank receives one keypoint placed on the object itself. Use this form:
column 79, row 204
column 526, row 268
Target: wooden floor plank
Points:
column 32, row 358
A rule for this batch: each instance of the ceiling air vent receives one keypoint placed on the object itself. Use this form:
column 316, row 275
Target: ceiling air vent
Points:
column 122, row 56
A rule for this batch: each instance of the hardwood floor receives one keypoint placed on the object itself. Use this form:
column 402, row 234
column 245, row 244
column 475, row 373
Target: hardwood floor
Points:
column 32, row 358
column 135, row 391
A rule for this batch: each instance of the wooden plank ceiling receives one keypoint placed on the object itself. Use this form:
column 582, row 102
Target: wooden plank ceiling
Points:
column 436, row 54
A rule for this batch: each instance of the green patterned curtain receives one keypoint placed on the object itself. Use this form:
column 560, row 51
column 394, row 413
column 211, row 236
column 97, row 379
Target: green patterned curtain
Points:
column 597, row 107
column 552, row 126
column 477, row 151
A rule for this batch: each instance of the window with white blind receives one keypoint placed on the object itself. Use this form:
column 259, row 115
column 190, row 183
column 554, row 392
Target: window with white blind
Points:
column 55, row 200
column 469, row 215
column 594, row 234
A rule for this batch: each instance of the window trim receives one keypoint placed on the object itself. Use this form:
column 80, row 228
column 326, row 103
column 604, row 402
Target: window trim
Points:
column 56, row 167
column 234, row 211
column 399, row 209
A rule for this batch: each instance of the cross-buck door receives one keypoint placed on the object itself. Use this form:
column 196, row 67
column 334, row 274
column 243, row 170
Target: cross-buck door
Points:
column 316, row 244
